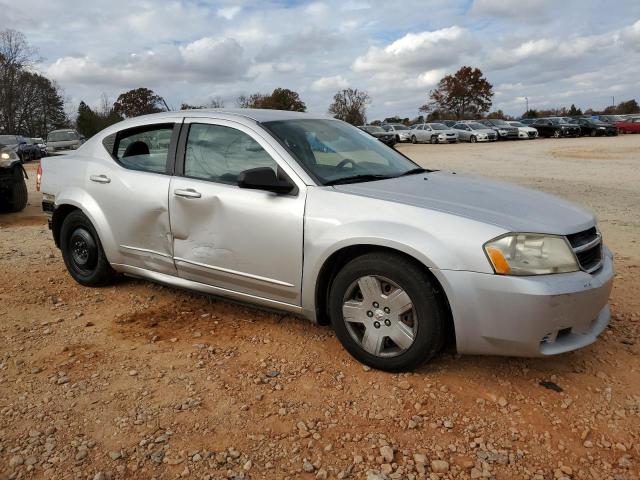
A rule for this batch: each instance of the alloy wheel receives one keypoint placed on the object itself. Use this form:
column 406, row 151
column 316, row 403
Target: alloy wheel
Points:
column 379, row 316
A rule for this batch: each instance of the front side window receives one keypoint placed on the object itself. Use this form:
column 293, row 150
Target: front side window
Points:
column 335, row 152
column 220, row 154
column 145, row 149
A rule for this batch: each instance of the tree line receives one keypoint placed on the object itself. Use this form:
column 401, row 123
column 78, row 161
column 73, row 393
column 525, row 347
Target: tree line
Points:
column 30, row 104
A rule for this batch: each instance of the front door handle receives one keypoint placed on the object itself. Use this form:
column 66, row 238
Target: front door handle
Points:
column 100, row 179
column 187, row 193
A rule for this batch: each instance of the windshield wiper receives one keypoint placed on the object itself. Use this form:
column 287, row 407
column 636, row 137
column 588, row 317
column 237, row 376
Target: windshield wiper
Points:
column 414, row 171
column 357, row 178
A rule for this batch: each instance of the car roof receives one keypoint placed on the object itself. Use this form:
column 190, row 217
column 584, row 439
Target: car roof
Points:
column 256, row 114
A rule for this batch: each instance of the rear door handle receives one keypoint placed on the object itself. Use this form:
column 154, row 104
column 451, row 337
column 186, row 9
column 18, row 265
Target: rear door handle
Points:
column 187, row 193
column 100, row 179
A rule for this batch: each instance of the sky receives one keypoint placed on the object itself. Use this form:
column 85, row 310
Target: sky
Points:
column 553, row 52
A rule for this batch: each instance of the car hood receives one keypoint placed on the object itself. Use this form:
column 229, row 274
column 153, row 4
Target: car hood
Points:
column 448, row 131
column 513, row 208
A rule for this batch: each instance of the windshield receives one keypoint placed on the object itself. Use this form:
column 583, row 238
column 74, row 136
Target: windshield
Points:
column 517, row 124
column 555, row 121
column 334, row 151
column 373, row 129
column 62, row 136
column 500, row 122
column 8, row 139
column 438, row 126
column 400, row 127
column 477, row 126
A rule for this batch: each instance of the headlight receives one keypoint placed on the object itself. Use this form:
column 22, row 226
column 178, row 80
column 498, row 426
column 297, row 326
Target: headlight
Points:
column 5, row 156
column 601, row 128
column 530, row 254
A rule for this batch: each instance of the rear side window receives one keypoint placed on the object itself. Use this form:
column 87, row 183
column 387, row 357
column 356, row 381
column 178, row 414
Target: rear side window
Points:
column 143, row 148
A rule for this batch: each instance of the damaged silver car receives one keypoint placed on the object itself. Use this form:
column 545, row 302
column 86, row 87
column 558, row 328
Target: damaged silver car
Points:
column 310, row 215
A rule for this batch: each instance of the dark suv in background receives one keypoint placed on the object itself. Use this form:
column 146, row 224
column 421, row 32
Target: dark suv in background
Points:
column 555, row 127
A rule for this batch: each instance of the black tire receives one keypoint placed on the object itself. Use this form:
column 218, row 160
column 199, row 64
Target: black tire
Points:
column 557, row 134
column 397, row 138
column 429, row 312
column 434, row 139
column 82, row 252
column 17, row 195
column 473, row 139
column 593, row 133
column 414, row 140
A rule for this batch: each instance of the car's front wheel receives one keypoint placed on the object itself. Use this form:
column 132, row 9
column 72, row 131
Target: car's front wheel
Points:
column 557, row 134
column 386, row 313
column 434, row 139
column 414, row 140
column 83, row 253
column 473, row 139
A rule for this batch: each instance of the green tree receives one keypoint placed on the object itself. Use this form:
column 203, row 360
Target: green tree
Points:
column 530, row 114
column 465, row 93
column 350, row 105
column 139, row 101
column 573, row 111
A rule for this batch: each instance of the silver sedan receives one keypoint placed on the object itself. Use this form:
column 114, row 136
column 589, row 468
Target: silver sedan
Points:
column 433, row 133
column 309, row 215
column 475, row 132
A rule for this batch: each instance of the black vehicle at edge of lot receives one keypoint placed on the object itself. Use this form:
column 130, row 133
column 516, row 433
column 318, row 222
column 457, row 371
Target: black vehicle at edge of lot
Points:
column 379, row 132
column 595, row 128
column 13, row 188
column 555, row 127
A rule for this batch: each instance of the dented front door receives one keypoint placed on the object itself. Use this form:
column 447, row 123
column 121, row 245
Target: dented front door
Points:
column 242, row 240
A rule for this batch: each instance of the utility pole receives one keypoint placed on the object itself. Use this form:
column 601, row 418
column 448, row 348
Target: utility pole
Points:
column 526, row 99
column 613, row 101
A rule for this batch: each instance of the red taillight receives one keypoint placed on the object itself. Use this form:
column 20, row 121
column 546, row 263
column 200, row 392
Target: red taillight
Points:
column 39, row 177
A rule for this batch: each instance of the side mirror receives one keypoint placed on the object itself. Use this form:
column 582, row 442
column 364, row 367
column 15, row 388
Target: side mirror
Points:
column 263, row 178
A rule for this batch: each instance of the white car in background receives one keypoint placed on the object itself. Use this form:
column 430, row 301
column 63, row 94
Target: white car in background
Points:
column 525, row 131
column 402, row 132
column 433, row 133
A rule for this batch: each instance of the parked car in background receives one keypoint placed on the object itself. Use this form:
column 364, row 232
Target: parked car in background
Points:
column 41, row 145
column 631, row 125
column 501, row 127
column 612, row 119
column 475, row 132
column 34, row 152
column 18, row 144
column 379, row 132
column 63, row 140
column 433, row 133
column 13, row 189
column 555, row 127
column 401, row 132
column 239, row 205
column 448, row 123
column 595, row 128
column 527, row 121
column 445, row 134
column 524, row 131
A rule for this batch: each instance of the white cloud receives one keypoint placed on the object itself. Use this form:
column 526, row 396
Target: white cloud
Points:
column 330, row 84
column 229, row 12
column 417, row 51
column 631, row 36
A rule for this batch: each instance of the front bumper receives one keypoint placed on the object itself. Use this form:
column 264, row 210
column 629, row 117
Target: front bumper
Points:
column 528, row 316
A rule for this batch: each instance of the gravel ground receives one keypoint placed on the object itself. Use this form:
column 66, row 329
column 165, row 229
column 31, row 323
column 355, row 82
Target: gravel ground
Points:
column 142, row 381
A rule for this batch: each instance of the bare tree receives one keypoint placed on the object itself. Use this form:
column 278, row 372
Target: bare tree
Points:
column 216, row 102
column 350, row 105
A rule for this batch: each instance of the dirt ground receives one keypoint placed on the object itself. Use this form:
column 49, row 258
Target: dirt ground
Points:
column 142, row 381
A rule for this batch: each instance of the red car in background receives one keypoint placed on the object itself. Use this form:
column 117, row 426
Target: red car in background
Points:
column 631, row 125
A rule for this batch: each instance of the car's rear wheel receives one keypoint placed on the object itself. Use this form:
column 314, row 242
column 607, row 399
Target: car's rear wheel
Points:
column 473, row 139
column 434, row 139
column 386, row 313
column 82, row 251
column 414, row 140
